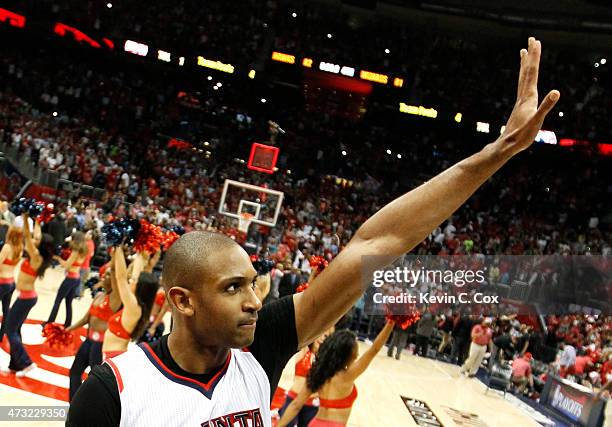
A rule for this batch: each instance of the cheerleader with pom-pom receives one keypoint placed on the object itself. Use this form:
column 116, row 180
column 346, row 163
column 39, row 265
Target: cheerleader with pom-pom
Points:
column 130, row 322
column 40, row 251
column 332, row 374
column 104, row 305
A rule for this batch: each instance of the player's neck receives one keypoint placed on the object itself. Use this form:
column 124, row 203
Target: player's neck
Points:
column 195, row 358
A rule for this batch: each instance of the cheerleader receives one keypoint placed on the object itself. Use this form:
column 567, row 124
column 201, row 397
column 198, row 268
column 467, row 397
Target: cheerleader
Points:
column 333, row 374
column 104, row 305
column 69, row 287
column 10, row 255
column 302, row 367
column 40, row 251
column 129, row 322
column 156, row 326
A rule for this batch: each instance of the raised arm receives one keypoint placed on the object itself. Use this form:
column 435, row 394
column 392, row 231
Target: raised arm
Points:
column 4, row 252
column 115, row 297
column 30, row 246
column 37, row 232
column 262, row 288
column 120, row 271
column 361, row 364
column 160, row 316
column 402, row 224
column 67, row 263
column 138, row 265
column 152, row 262
column 294, row 407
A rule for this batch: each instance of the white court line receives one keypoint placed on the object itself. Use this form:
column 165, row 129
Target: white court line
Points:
column 48, row 377
column 528, row 410
column 38, row 374
column 435, row 364
column 5, row 359
column 6, row 390
column 32, row 334
column 65, row 361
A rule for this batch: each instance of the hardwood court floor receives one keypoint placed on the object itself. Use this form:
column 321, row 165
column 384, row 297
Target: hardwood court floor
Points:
column 380, row 387
column 437, row 384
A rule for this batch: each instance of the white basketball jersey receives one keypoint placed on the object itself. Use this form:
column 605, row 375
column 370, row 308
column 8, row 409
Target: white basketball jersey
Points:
column 152, row 395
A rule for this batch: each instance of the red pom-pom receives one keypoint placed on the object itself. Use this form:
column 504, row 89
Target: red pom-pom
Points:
column 318, row 263
column 404, row 321
column 149, row 239
column 301, row 288
column 65, row 253
column 46, row 215
column 57, row 337
column 169, row 238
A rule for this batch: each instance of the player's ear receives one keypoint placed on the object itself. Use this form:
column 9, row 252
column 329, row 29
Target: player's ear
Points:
column 182, row 300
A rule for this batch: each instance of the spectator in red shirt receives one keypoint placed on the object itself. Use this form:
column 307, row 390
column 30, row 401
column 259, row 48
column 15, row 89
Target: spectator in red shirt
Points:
column 481, row 339
column 521, row 372
column 606, row 369
column 583, row 363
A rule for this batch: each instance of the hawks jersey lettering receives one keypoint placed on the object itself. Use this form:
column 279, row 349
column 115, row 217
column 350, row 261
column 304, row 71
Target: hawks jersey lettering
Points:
column 238, row 396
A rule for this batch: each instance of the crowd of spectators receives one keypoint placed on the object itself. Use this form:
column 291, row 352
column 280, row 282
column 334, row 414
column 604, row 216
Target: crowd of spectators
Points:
column 112, row 120
column 181, row 27
column 432, row 61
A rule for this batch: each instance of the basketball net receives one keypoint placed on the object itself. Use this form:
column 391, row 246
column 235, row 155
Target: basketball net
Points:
column 244, row 221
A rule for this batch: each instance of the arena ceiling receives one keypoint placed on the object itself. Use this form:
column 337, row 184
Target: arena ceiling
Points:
column 592, row 9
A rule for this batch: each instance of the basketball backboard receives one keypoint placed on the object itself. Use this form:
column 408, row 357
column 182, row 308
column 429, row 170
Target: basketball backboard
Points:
column 263, row 203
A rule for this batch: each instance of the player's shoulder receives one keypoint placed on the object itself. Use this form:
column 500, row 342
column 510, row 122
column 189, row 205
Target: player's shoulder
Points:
column 104, row 373
column 100, row 387
column 277, row 309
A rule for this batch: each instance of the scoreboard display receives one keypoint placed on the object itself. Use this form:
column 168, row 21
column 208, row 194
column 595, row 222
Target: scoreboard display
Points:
column 263, row 158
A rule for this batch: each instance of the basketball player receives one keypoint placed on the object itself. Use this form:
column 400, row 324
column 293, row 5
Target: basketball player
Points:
column 215, row 367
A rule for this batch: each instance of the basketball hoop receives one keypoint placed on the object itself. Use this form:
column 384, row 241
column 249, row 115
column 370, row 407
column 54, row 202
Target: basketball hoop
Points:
column 244, row 221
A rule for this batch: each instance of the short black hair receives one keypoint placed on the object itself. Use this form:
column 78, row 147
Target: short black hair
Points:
column 185, row 262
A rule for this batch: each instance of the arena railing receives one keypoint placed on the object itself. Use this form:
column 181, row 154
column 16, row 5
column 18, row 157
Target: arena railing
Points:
column 63, row 189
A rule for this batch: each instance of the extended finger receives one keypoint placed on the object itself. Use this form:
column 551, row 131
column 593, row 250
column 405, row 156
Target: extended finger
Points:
column 547, row 104
column 532, row 67
column 521, row 80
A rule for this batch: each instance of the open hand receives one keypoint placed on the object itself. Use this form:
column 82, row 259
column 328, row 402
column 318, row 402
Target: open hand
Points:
column 527, row 118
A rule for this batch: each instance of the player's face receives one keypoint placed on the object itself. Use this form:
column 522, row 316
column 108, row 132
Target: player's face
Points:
column 226, row 314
